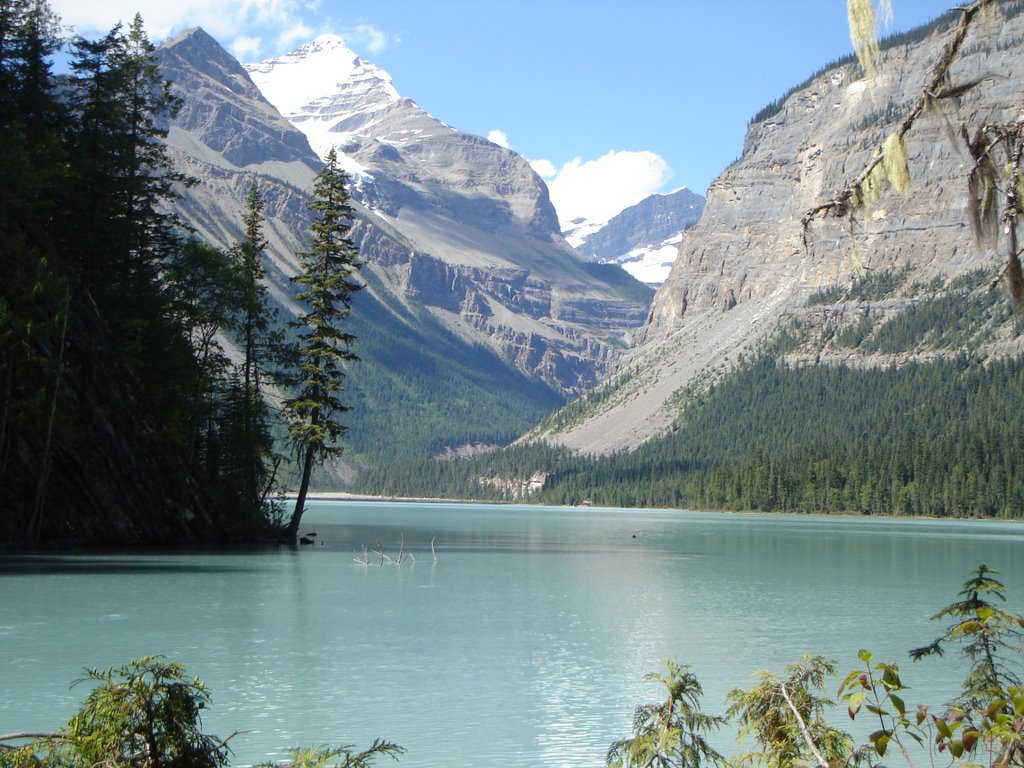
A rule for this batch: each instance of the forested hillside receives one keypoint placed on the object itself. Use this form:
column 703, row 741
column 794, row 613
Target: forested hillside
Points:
column 418, row 390
column 939, row 435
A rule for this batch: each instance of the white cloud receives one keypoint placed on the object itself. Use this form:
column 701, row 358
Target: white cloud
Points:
column 257, row 28
column 544, row 168
column 598, row 189
column 499, row 138
column 297, row 33
column 278, row 12
column 87, row 16
column 277, row 20
column 246, row 48
column 368, row 38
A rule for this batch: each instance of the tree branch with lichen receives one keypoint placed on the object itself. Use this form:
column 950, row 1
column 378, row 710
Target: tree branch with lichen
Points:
column 939, row 87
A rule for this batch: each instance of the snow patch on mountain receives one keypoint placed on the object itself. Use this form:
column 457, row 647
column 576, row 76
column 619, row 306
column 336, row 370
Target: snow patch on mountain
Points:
column 320, row 83
column 578, row 230
column 651, row 263
column 648, row 262
column 644, row 238
column 307, row 76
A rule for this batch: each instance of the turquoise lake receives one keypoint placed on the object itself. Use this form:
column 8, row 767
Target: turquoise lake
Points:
column 524, row 643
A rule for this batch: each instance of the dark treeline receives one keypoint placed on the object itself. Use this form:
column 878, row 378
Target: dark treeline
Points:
column 114, row 391
column 943, row 438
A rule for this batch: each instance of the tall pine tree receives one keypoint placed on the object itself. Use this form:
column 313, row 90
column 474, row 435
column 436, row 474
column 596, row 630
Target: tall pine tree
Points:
column 122, row 176
column 31, row 115
column 262, row 350
column 328, row 283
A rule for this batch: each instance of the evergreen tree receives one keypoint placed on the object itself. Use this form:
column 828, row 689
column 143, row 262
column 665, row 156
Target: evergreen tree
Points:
column 207, row 291
column 991, row 637
column 122, row 176
column 328, row 281
column 249, row 254
column 31, row 115
column 34, row 297
column 786, row 718
column 261, row 348
column 118, row 233
column 93, row 267
column 673, row 733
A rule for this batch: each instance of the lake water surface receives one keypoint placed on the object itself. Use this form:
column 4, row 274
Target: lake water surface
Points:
column 524, row 644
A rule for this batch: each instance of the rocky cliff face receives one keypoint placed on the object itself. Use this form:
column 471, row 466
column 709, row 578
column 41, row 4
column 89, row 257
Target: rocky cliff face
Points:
column 224, row 114
column 227, row 136
column 745, row 266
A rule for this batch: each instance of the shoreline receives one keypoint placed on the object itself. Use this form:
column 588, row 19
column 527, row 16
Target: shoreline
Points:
column 345, row 496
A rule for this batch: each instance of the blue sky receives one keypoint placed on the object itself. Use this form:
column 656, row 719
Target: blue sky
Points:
column 610, row 100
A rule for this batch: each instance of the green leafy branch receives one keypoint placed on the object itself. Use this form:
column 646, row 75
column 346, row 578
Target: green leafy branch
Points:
column 146, row 714
column 670, row 733
column 878, row 688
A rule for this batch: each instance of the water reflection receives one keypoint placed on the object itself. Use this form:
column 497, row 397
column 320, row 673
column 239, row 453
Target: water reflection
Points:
column 40, row 565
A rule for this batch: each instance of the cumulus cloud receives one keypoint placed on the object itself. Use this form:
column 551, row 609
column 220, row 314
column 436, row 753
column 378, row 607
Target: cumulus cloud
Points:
column 544, row 168
column 499, row 138
column 88, row 17
column 599, row 189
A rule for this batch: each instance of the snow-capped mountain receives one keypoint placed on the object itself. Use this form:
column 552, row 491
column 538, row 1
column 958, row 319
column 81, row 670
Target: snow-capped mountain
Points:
column 644, row 238
column 452, row 228
column 327, row 91
column 339, row 100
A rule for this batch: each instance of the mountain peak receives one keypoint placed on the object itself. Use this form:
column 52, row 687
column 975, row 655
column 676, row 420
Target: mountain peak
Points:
column 192, row 32
column 328, row 41
column 330, row 47
column 459, row 234
column 223, row 111
column 298, row 83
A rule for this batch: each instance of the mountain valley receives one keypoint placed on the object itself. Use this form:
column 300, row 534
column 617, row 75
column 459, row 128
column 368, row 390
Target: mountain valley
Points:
column 784, row 368
column 742, row 275
column 794, row 357
column 463, row 259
